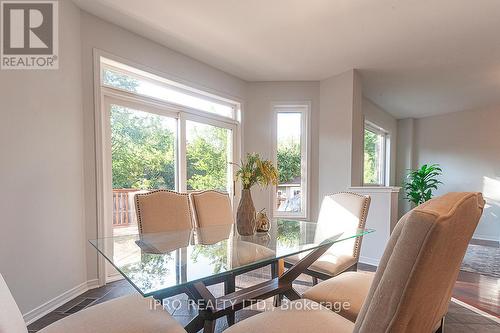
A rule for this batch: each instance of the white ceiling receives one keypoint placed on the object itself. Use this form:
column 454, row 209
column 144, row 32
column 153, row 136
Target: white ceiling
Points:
column 416, row 57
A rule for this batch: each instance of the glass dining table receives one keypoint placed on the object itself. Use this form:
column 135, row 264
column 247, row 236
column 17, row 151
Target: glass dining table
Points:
column 170, row 263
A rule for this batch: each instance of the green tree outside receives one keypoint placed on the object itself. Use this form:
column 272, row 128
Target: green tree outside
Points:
column 289, row 159
column 144, row 149
column 143, row 153
column 370, row 158
column 207, row 157
column 118, row 80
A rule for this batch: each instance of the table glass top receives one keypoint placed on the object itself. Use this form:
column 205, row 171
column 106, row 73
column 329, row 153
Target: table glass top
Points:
column 155, row 262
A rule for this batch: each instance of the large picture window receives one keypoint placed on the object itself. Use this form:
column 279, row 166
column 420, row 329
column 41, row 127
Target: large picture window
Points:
column 291, row 195
column 375, row 156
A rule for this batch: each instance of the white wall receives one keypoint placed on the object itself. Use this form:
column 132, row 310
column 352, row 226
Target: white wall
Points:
column 42, row 239
column 110, row 38
column 378, row 116
column 467, row 146
column 258, row 125
column 340, row 120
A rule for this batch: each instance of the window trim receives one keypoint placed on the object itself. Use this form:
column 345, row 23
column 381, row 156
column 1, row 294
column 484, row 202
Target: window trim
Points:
column 303, row 107
column 385, row 169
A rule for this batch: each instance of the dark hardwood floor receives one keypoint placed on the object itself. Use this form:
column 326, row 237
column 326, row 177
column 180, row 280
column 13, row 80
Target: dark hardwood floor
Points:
column 471, row 288
column 479, row 291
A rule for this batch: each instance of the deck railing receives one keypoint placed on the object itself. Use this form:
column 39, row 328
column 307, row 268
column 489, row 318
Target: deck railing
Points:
column 123, row 207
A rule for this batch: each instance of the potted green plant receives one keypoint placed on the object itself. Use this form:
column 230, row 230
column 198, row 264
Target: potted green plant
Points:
column 420, row 183
column 252, row 171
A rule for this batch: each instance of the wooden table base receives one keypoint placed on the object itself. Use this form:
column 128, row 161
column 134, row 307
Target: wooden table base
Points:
column 211, row 308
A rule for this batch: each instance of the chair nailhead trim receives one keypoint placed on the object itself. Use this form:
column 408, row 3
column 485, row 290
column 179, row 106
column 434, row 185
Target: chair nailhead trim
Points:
column 138, row 210
column 362, row 218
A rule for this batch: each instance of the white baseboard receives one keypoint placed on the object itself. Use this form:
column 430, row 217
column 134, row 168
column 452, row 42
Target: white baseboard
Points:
column 369, row 261
column 47, row 307
column 92, row 284
column 114, row 277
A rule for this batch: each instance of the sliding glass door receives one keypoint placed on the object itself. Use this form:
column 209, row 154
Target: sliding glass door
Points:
column 143, row 157
column 141, row 154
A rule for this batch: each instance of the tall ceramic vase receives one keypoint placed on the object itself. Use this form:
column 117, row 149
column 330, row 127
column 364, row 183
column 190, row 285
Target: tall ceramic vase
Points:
column 245, row 216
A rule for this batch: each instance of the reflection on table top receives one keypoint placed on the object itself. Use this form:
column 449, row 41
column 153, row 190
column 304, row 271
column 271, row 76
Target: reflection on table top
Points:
column 157, row 261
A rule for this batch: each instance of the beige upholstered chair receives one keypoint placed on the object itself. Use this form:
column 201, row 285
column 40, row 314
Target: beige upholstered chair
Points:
column 349, row 287
column 128, row 314
column 340, row 212
column 162, row 211
column 211, row 208
column 412, row 287
column 11, row 319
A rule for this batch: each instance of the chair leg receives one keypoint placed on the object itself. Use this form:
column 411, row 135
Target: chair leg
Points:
column 230, row 287
column 209, row 326
column 315, row 280
column 274, row 274
column 274, row 270
column 441, row 327
column 277, row 300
